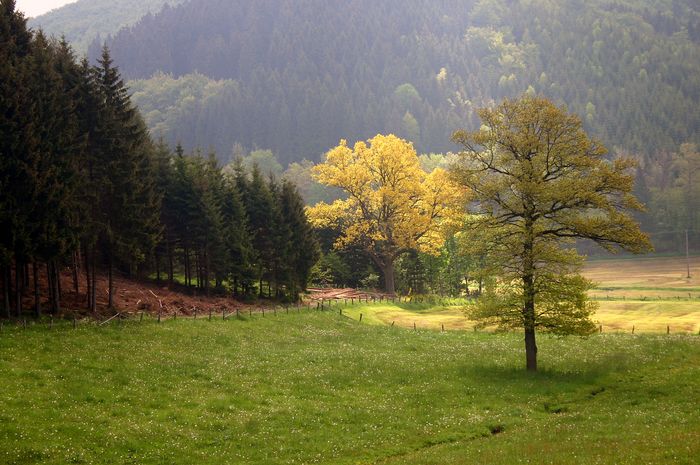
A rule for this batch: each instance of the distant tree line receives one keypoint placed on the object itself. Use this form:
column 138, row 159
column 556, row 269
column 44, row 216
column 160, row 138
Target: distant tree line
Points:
column 83, row 185
column 296, row 76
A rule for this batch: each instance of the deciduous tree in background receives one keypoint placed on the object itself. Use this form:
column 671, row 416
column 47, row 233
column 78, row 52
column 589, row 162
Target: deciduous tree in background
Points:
column 392, row 205
column 539, row 183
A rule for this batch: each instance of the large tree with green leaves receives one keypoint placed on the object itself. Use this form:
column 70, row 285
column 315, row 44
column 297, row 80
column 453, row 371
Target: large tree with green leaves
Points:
column 539, row 183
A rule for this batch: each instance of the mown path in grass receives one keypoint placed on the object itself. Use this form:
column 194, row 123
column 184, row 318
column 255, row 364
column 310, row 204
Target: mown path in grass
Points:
column 320, row 388
column 648, row 295
column 678, row 316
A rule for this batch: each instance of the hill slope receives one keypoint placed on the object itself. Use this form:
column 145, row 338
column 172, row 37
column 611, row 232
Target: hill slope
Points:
column 297, row 75
column 85, row 20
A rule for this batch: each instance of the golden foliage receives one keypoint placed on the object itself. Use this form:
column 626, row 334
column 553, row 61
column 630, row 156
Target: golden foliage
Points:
column 392, row 205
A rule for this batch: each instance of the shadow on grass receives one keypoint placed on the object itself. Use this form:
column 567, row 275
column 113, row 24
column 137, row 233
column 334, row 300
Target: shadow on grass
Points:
column 429, row 307
column 581, row 374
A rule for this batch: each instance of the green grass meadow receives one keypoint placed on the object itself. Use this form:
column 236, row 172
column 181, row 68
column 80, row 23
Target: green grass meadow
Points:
column 317, row 387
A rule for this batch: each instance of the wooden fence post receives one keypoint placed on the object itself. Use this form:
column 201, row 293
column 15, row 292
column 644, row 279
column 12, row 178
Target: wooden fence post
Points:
column 360, row 317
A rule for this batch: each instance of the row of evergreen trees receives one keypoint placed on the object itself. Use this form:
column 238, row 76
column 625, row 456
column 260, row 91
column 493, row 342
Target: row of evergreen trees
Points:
column 231, row 228
column 83, row 185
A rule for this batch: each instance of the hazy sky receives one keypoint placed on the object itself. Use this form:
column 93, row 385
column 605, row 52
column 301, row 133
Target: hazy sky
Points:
column 32, row 8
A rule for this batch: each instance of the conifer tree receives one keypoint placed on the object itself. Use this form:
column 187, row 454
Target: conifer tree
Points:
column 127, row 198
column 302, row 247
column 54, row 175
column 239, row 248
column 17, row 144
column 258, row 203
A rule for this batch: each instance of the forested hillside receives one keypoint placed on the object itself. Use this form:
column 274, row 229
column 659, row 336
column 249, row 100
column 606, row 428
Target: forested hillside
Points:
column 295, row 76
column 85, row 20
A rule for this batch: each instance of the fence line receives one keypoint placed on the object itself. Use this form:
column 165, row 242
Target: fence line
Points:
column 322, row 306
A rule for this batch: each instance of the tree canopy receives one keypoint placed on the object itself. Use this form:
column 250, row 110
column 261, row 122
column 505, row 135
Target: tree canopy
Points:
column 539, row 183
column 392, row 205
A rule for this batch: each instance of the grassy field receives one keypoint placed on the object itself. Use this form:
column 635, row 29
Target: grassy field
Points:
column 644, row 294
column 321, row 388
column 649, row 293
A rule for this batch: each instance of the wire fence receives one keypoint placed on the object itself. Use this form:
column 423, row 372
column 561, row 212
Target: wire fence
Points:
column 338, row 306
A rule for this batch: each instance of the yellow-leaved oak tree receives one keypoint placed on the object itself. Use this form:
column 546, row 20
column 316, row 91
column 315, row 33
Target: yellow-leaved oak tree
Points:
column 539, row 183
column 392, row 205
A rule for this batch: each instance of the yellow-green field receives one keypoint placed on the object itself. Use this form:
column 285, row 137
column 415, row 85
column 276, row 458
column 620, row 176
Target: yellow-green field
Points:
column 649, row 293
column 644, row 294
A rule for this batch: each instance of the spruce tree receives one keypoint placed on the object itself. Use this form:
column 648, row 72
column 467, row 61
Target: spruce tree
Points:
column 302, row 248
column 128, row 201
column 17, row 147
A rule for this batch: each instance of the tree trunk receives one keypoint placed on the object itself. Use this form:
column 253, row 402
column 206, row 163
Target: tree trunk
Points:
column 37, row 294
column 389, row 282
column 6, row 289
column 111, row 283
column 170, row 266
column 76, row 271
column 59, row 292
column 157, row 268
column 88, row 288
column 529, row 320
column 93, row 283
column 206, row 273
column 530, row 349
column 49, row 283
column 18, row 289
column 25, row 277
column 188, row 278
column 197, row 271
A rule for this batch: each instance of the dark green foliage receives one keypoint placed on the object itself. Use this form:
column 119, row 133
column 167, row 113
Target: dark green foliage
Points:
column 81, row 183
column 233, row 227
column 298, row 240
column 303, row 74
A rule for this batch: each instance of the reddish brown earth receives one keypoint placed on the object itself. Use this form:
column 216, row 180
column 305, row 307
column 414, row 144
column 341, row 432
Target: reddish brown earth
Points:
column 133, row 296
column 342, row 294
column 130, row 297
